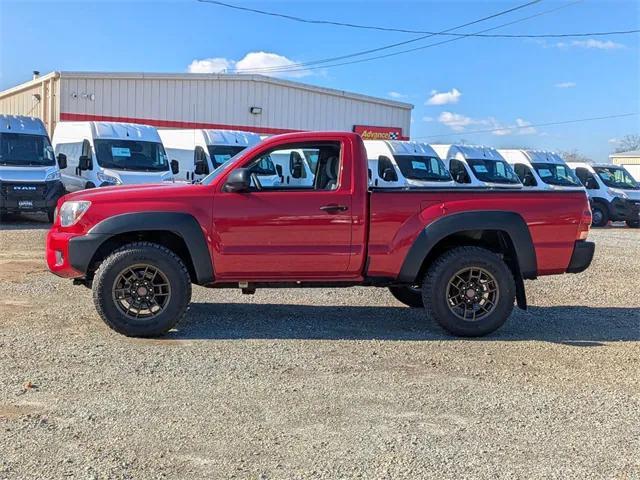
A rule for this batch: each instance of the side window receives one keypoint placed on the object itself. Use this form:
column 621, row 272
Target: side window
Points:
column 386, row 172
column 525, row 175
column 458, row 172
column 264, row 175
column 72, row 151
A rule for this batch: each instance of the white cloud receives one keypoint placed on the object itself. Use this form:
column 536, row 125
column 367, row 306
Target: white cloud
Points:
column 252, row 62
column 458, row 123
column 524, row 127
column 397, row 95
column 444, row 98
column 565, row 85
column 209, row 65
column 591, row 43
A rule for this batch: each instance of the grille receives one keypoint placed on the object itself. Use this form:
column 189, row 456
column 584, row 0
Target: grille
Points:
column 19, row 190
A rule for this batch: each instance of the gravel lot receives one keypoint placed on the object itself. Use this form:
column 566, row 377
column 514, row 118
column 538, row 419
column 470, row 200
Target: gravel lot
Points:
column 320, row 383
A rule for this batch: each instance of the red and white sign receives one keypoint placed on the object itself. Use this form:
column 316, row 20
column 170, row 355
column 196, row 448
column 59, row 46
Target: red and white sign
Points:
column 368, row 132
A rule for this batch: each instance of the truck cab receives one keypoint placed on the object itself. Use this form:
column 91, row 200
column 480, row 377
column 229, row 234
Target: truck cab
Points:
column 541, row 170
column 101, row 154
column 614, row 194
column 477, row 166
column 405, row 164
column 201, row 151
column 29, row 171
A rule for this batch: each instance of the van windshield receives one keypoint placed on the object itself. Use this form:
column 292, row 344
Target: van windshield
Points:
column 222, row 154
column 494, row 171
column 131, row 155
column 25, row 150
column 417, row 167
column 556, row 174
column 617, row 177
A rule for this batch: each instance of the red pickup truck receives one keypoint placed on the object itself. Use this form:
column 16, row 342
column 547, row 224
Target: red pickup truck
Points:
column 461, row 254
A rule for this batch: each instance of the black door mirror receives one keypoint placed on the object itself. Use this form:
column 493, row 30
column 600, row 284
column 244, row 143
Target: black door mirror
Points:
column 62, row 161
column 279, row 170
column 591, row 183
column 238, row 181
column 459, row 177
column 84, row 163
column 175, row 167
column 529, row 181
column 389, row 175
column 296, row 171
column 201, row 168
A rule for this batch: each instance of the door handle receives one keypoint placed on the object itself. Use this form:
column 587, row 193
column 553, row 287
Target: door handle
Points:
column 334, row 208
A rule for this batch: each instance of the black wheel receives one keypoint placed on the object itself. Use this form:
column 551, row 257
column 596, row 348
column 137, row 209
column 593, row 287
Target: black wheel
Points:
column 142, row 290
column 469, row 291
column 600, row 215
column 50, row 214
column 409, row 295
column 633, row 223
column 90, row 185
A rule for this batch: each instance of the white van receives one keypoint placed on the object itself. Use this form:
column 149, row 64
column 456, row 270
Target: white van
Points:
column 296, row 167
column 29, row 173
column 111, row 153
column 477, row 166
column 614, row 194
column 541, row 170
column 200, row 151
column 405, row 164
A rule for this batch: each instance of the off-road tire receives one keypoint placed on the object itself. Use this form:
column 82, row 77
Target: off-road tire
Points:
column 160, row 258
column 408, row 296
column 603, row 219
column 444, row 268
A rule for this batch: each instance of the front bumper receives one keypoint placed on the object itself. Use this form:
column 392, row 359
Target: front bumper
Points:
column 581, row 257
column 623, row 209
column 30, row 196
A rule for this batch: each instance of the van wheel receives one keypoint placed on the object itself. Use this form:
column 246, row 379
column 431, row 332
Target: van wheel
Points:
column 469, row 291
column 633, row 223
column 600, row 215
column 90, row 185
column 142, row 290
column 409, row 295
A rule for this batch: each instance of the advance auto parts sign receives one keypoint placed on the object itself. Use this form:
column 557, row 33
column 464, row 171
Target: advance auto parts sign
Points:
column 368, row 132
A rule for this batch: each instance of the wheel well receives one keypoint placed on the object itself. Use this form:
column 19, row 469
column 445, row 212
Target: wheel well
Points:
column 497, row 241
column 170, row 240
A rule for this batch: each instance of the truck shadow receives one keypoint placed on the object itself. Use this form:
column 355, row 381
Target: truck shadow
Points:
column 570, row 325
column 26, row 221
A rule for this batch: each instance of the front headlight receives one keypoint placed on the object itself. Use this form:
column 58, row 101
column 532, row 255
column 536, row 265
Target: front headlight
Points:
column 110, row 179
column 55, row 175
column 617, row 193
column 71, row 212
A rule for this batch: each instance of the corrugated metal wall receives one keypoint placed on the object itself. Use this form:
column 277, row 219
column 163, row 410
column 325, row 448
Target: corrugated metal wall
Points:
column 38, row 98
column 223, row 100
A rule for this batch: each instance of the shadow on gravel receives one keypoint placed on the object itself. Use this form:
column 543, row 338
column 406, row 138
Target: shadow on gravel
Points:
column 28, row 221
column 570, row 325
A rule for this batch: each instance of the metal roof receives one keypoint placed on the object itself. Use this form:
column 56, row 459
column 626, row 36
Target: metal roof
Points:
column 21, row 124
column 630, row 154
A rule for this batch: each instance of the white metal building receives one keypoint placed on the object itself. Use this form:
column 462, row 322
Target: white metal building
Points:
column 629, row 160
column 254, row 103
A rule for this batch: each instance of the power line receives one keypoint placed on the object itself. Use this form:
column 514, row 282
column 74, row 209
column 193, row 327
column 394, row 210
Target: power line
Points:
column 397, row 44
column 295, row 67
column 403, row 30
column 532, row 125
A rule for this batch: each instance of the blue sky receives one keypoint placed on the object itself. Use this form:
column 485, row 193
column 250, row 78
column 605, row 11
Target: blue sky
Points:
column 467, row 85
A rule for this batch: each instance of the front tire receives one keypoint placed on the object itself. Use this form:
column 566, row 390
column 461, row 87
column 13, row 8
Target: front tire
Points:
column 142, row 290
column 409, row 295
column 599, row 215
column 469, row 291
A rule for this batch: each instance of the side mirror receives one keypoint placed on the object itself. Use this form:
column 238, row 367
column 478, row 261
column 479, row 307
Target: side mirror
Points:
column 459, row 177
column 62, row 161
column 175, row 167
column 529, row 181
column 296, row 171
column 238, row 181
column 84, row 163
column 389, row 175
column 201, row 168
column 370, row 174
column 279, row 170
column 591, row 184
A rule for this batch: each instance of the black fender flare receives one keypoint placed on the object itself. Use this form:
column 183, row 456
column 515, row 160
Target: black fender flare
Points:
column 82, row 249
column 511, row 223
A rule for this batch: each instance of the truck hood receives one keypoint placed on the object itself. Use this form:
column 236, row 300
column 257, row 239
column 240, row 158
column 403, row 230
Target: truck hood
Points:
column 11, row 173
column 132, row 192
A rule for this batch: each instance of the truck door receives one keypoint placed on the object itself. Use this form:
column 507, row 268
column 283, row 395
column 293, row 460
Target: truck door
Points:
column 283, row 230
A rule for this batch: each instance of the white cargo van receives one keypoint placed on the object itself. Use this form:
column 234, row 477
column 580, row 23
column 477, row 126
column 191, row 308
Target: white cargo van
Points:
column 404, row 164
column 29, row 173
column 296, row 167
column 201, row 151
column 111, row 153
column 477, row 166
column 541, row 170
column 614, row 194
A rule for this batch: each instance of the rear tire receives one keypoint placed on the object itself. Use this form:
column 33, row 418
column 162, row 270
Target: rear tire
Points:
column 600, row 215
column 486, row 294
column 138, row 304
column 410, row 296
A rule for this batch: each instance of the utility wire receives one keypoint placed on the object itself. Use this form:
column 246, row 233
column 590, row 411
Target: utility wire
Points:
column 397, row 44
column 516, row 127
column 304, row 67
column 403, row 30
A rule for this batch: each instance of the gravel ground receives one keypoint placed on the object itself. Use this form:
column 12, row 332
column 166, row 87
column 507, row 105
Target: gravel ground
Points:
column 291, row 384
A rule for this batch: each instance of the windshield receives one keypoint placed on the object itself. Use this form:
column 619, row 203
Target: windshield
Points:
column 416, row 167
column 557, row 174
column 25, row 150
column 495, row 171
column 131, row 155
column 222, row 154
column 616, row 177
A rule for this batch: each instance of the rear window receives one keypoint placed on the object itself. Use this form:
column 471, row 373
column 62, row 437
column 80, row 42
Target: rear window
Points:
column 418, row 167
